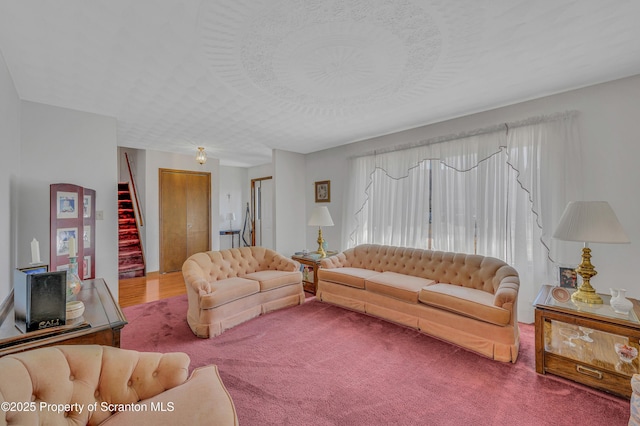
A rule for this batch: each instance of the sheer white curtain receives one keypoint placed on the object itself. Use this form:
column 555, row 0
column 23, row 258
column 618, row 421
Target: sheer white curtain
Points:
column 497, row 194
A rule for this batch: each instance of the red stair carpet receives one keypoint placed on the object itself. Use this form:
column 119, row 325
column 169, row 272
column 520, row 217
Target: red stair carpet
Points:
column 317, row 364
column 130, row 258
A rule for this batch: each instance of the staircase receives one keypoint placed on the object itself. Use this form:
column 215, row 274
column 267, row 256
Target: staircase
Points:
column 130, row 256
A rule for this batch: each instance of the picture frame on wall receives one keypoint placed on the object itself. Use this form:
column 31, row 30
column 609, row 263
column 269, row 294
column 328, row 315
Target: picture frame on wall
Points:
column 568, row 277
column 323, row 191
column 67, row 205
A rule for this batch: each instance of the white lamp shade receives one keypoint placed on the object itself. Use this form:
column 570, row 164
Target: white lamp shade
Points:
column 320, row 217
column 590, row 222
column 231, row 216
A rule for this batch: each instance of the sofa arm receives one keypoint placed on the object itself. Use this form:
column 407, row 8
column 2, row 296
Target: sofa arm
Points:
column 336, row 261
column 282, row 263
column 506, row 295
column 201, row 400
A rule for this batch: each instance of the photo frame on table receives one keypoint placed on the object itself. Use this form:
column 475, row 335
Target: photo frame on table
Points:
column 568, row 277
column 323, row 191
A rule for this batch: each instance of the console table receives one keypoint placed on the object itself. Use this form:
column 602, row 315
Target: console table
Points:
column 578, row 341
column 100, row 323
column 232, row 232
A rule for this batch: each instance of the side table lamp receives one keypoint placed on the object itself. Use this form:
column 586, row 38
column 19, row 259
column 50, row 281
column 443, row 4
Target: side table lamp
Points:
column 321, row 217
column 589, row 222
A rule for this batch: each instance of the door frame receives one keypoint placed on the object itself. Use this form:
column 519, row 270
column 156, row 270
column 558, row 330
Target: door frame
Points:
column 253, row 206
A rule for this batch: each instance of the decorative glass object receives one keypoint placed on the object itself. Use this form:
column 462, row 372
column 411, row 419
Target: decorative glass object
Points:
column 74, row 283
column 619, row 301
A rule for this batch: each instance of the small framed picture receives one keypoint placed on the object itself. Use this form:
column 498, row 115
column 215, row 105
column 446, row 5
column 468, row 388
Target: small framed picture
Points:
column 86, row 206
column 86, row 236
column 35, row 269
column 67, row 205
column 62, row 243
column 86, row 267
column 323, row 191
column 568, row 277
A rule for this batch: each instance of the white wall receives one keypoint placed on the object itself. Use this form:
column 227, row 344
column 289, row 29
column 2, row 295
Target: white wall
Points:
column 289, row 202
column 9, row 177
column 155, row 160
column 609, row 125
column 235, row 189
column 60, row 145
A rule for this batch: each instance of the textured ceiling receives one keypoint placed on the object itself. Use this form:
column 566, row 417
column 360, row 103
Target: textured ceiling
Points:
column 241, row 77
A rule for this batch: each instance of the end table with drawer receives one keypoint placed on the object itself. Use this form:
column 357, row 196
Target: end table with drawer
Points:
column 578, row 341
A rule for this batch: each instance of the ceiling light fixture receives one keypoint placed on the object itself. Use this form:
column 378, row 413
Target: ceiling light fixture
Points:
column 201, row 156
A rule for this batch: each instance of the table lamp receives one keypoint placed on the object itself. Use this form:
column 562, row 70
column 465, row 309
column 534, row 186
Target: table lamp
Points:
column 321, row 217
column 589, row 222
column 231, row 217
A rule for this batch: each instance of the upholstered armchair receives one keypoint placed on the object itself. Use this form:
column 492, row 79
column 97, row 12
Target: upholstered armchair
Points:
column 100, row 385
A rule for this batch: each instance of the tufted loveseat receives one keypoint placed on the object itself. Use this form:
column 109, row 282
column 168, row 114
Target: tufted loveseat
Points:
column 103, row 385
column 228, row 287
column 468, row 300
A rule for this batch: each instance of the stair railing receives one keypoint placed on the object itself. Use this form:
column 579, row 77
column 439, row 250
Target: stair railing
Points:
column 134, row 193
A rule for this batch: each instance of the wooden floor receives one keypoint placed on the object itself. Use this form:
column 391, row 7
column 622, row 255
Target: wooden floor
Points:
column 155, row 286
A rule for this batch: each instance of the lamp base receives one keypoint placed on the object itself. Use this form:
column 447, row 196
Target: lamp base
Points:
column 321, row 251
column 587, row 296
column 586, row 293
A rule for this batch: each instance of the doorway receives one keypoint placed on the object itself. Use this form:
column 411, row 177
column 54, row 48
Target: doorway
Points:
column 262, row 212
column 185, row 216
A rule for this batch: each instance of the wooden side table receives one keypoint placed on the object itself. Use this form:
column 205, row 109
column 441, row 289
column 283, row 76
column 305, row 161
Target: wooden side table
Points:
column 100, row 324
column 578, row 341
column 309, row 269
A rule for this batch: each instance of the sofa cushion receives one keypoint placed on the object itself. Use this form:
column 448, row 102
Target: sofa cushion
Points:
column 465, row 301
column 399, row 286
column 353, row 277
column 228, row 290
column 270, row 279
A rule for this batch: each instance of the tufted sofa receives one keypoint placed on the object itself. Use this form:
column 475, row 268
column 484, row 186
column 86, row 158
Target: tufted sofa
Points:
column 228, row 287
column 103, row 385
column 468, row 300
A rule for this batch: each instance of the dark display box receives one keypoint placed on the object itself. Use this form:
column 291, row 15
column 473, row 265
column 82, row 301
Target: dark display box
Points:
column 39, row 299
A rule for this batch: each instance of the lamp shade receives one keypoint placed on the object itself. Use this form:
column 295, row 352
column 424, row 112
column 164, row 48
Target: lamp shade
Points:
column 320, row 217
column 590, row 222
column 231, row 216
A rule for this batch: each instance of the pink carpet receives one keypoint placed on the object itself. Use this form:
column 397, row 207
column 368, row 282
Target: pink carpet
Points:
column 318, row 364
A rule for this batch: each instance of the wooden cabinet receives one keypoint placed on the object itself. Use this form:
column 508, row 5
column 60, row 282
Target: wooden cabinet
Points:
column 578, row 342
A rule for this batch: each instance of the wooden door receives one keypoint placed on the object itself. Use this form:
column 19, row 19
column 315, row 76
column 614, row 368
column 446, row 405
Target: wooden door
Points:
column 185, row 216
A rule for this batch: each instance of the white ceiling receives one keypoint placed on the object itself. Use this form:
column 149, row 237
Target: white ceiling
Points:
column 241, row 77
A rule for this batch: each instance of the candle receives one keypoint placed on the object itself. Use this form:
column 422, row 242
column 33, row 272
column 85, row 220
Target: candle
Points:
column 72, row 247
column 35, row 251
